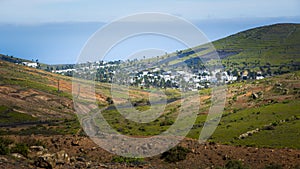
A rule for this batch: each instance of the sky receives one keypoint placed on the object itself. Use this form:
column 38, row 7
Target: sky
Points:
column 55, row 31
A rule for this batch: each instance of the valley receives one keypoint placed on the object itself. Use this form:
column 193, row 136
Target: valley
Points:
column 259, row 127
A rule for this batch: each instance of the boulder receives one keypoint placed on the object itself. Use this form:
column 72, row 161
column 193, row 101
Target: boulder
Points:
column 45, row 161
column 254, row 96
column 285, row 91
column 50, row 161
column 36, row 148
column 17, row 155
column 80, row 159
column 3, row 159
column 61, row 157
column 278, row 84
column 75, row 143
column 36, row 151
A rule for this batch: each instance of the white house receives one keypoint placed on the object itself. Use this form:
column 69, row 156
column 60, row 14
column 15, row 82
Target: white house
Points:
column 30, row 64
column 259, row 77
column 64, row 71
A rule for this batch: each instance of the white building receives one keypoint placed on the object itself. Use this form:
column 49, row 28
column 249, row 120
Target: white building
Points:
column 30, row 64
column 63, row 71
column 259, row 77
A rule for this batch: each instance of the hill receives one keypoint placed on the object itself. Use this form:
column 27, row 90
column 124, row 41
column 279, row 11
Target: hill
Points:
column 32, row 105
column 12, row 59
column 277, row 45
column 251, row 54
column 30, row 97
column 272, row 49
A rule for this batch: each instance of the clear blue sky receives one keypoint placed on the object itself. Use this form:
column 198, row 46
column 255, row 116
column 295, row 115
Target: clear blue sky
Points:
column 54, row 31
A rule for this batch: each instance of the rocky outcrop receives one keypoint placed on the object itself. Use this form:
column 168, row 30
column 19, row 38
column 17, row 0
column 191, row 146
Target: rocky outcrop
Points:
column 257, row 95
column 50, row 161
column 45, row 161
column 248, row 133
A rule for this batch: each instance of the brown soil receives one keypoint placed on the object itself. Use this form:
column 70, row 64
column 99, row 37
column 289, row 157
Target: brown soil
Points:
column 35, row 102
column 201, row 155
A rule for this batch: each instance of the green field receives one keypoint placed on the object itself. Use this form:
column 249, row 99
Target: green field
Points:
column 276, row 118
column 282, row 135
column 9, row 116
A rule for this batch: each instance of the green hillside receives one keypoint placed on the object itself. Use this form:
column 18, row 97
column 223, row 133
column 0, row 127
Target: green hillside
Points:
column 272, row 50
column 269, row 106
column 274, row 44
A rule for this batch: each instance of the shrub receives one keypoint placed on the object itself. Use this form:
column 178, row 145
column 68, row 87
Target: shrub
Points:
column 234, row 164
column 4, row 150
column 20, row 148
column 33, row 142
column 175, row 154
column 128, row 160
column 273, row 166
column 4, row 143
column 296, row 167
column 234, row 98
column 166, row 122
column 275, row 123
column 109, row 100
column 142, row 128
column 286, row 101
column 269, row 127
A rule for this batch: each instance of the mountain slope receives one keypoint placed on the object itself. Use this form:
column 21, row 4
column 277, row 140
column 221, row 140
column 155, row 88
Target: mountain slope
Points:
column 30, row 97
column 276, row 44
column 30, row 102
column 271, row 50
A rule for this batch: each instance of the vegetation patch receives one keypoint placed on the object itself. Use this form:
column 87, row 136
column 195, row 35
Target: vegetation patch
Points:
column 4, row 146
column 175, row 154
column 127, row 160
column 8, row 116
column 8, row 146
column 233, row 164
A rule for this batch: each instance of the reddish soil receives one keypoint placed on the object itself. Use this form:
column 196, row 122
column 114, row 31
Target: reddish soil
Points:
column 201, row 155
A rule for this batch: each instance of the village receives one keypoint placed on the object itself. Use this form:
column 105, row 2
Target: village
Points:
column 155, row 77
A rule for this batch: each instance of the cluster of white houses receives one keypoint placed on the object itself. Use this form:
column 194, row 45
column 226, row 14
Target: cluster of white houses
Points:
column 179, row 79
column 92, row 68
column 184, row 80
column 64, row 71
column 156, row 77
